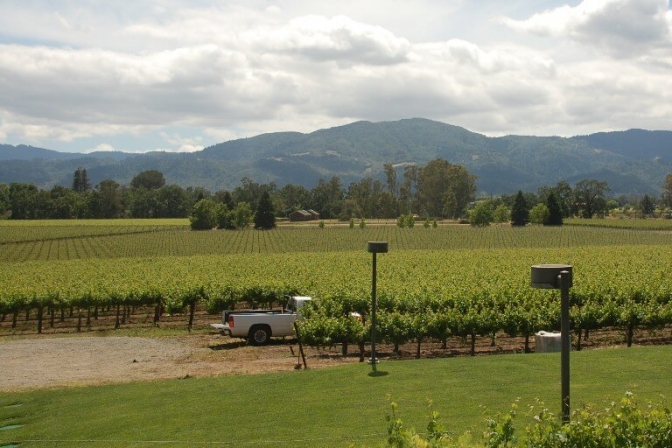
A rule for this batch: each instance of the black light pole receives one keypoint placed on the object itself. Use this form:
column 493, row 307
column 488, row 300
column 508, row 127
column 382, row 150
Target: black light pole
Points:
column 558, row 276
column 375, row 247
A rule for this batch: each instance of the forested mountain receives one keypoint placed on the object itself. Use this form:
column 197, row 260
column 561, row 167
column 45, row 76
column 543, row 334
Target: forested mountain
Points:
column 631, row 162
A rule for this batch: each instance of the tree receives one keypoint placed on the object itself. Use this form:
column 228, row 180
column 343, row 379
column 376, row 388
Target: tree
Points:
column 444, row 189
column 482, row 214
column 242, row 215
column 293, row 197
column 519, row 212
column 224, row 217
column 142, row 203
column 502, row 214
column 105, row 201
column 327, row 198
column 64, row 203
column 366, row 194
column 24, row 201
column 264, row 219
column 563, row 196
column 150, row 180
column 539, row 214
column 80, row 181
column 391, row 178
column 667, row 191
column 349, row 210
column 554, row 210
column 408, row 189
column 172, row 202
column 251, row 192
column 4, row 200
column 239, row 217
column 589, row 197
column 563, row 192
column 647, row 206
column 195, row 194
column 389, row 206
column 203, row 216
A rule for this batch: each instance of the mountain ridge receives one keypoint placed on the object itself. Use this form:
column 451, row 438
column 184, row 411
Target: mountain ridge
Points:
column 631, row 162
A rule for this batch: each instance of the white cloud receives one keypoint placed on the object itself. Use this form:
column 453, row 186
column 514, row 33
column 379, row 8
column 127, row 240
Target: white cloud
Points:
column 623, row 28
column 103, row 147
column 231, row 70
column 181, row 144
column 332, row 39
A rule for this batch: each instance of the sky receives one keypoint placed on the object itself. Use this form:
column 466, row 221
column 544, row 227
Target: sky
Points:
column 181, row 75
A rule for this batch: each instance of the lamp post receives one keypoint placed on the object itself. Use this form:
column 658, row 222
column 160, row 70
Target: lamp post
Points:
column 558, row 276
column 375, row 247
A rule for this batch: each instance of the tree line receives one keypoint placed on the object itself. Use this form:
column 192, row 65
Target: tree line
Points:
column 438, row 189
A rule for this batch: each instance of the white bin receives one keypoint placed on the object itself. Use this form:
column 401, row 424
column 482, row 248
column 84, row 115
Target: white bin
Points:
column 545, row 342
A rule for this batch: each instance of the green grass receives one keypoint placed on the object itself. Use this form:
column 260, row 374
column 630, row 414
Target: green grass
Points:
column 324, row 408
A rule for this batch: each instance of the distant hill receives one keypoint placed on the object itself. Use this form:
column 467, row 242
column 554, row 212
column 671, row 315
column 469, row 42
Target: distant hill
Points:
column 631, row 162
column 636, row 144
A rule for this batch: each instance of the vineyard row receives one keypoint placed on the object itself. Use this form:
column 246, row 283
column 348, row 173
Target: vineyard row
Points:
column 422, row 294
column 64, row 243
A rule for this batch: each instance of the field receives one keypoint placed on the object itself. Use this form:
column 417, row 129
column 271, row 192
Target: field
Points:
column 467, row 288
column 624, row 223
column 31, row 241
column 450, row 281
column 336, row 407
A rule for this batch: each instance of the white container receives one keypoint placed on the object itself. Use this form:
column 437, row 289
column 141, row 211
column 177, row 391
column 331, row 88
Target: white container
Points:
column 546, row 342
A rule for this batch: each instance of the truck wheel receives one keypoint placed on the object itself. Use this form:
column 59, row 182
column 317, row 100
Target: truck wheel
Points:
column 259, row 335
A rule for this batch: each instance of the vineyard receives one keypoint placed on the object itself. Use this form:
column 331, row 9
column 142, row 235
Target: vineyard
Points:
column 624, row 223
column 138, row 238
column 434, row 284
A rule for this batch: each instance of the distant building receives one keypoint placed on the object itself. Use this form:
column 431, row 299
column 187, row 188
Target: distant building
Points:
column 315, row 214
column 304, row 215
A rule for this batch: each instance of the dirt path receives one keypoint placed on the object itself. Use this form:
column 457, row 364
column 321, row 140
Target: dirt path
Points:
column 32, row 362
column 70, row 361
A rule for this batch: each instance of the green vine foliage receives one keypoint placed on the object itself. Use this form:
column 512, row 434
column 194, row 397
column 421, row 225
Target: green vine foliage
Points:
column 622, row 424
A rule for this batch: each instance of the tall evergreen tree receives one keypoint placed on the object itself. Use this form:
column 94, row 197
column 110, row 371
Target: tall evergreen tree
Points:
column 520, row 215
column 647, row 206
column 554, row 210
column 80, row 181
column 667, row 191
column 264, row 219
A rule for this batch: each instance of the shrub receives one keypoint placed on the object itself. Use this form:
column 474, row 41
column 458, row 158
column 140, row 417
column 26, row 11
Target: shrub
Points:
column 622, row 424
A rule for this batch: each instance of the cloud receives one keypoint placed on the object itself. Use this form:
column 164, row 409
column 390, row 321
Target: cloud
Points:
column 103, row 147
column 232, row 71
column 332, row 39
column 181, row 144
column 623, row 28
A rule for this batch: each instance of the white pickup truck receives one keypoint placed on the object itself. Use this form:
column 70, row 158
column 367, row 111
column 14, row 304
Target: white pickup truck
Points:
column 258, row 326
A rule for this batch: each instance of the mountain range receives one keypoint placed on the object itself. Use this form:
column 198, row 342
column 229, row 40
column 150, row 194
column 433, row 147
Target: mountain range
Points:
column 632, row 162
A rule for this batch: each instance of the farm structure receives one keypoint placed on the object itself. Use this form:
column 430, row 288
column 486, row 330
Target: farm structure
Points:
column 304, row 215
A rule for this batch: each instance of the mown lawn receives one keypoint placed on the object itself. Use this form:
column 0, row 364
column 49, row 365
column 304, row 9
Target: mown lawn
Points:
column 338, row 406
